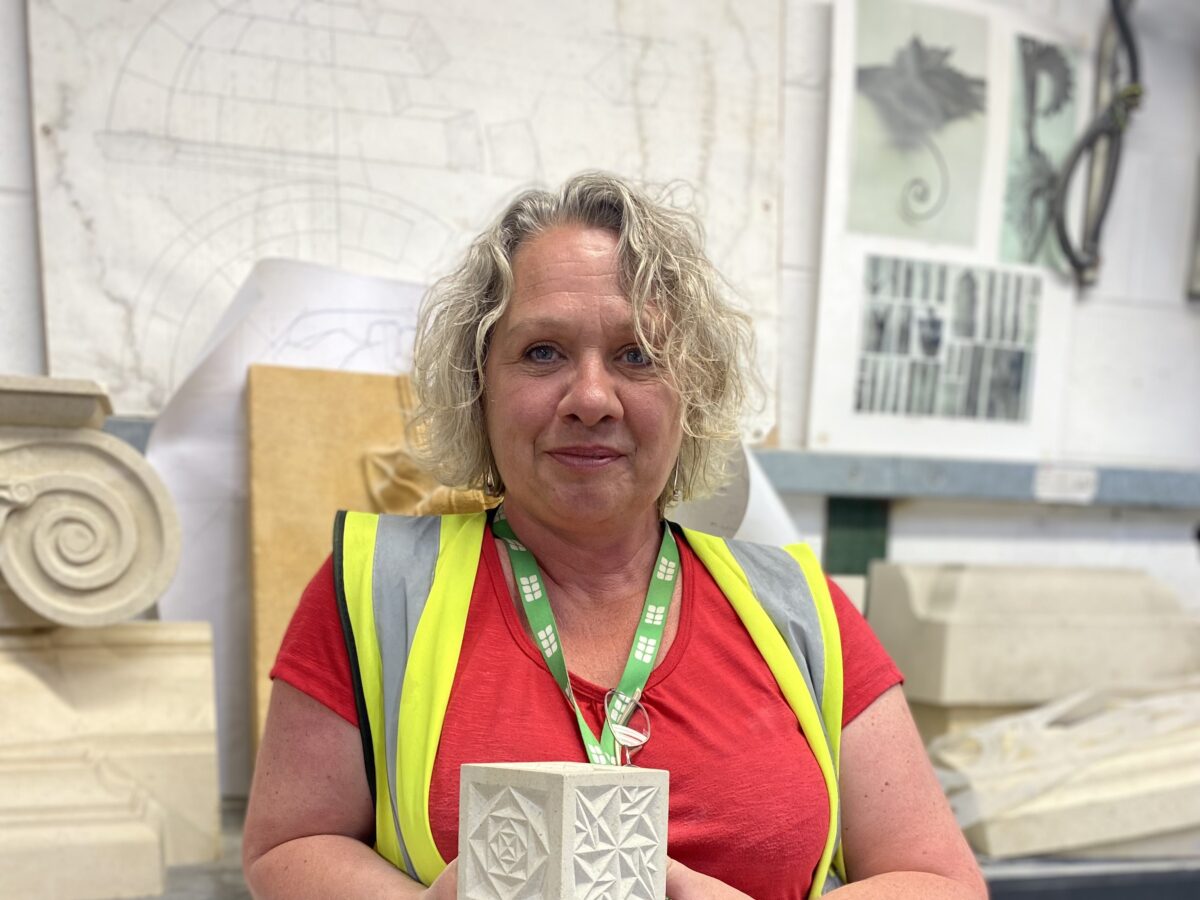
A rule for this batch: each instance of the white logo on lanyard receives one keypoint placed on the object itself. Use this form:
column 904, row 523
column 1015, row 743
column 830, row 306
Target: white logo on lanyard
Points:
column 531, row 588
column 645, row 649
column 549, row 641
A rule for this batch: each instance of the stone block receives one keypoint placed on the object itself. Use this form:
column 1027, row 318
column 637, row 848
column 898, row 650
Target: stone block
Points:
column 1007, row 636
column 129, row 707
column 52, row 402
column 560, row 831
column 74, row 828
column 1181, row 844
column 933, row 721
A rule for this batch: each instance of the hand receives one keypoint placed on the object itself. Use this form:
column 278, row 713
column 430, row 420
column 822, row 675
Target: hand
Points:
column 686, row 884
column 445, row 886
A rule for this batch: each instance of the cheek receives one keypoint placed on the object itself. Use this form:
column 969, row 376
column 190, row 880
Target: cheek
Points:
column 658, row 418
column 515, row 415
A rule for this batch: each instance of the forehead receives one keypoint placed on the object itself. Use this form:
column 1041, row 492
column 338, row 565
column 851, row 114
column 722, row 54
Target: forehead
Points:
column 564, row 273
column 567, row 258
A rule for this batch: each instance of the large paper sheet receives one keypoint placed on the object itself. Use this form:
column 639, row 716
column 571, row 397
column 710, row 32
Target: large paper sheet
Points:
column 288, row 314
column 178, row 141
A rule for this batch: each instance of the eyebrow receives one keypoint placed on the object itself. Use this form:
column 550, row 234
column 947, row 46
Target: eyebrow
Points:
column 549, row 323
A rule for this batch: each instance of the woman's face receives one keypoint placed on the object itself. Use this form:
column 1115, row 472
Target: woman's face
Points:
column 583, row 430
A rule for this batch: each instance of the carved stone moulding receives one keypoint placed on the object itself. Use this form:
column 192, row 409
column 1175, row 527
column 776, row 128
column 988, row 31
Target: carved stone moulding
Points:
column 128, row 712
column 88, row 534
column 556, row 830
column 71, row 828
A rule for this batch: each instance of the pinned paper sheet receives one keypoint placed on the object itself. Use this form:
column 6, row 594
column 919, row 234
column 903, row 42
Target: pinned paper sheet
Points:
column 286, row 313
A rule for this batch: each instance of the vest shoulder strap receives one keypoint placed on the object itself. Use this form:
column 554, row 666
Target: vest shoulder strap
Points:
column 783, row 600
column 404, row 587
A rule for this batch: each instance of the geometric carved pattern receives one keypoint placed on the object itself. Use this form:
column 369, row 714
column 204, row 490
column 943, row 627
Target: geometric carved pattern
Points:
column 562, row 831
column 507, row 847
column 615, row 843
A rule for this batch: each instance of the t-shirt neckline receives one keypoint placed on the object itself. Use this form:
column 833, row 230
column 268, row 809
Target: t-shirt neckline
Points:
column 581, row 686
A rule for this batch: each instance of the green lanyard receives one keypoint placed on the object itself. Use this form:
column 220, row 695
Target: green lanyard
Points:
column 646, row 642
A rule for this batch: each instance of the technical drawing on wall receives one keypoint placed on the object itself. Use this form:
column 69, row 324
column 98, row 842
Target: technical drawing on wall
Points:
column 946, row 340
column 179, row 141
column 1041, row 132
column 918, row 134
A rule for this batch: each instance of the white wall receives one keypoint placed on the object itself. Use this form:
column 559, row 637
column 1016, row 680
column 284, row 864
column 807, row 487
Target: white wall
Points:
column 22, row 343
column 1133, row 392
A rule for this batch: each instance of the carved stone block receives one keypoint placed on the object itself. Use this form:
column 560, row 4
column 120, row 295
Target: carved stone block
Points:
column 562, row 831
column 74, row 828
column 1004, row 636
column 1116, row 768
column 88, row 534
column 115, row 727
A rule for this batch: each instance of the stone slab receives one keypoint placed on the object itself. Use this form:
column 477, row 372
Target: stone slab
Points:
column 1133, row 798
column 933, row 721
column 1007, row 636
column 1181, row 844
column 558, row 831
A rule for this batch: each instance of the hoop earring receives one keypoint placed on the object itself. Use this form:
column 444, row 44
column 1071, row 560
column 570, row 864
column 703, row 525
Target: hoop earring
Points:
column 491, row 483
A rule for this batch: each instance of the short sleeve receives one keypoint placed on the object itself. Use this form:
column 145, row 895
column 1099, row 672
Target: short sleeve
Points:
column 868, row 670
column 312, row 657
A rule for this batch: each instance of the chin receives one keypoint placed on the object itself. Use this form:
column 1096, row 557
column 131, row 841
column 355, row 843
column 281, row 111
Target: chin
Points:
column 584, row 508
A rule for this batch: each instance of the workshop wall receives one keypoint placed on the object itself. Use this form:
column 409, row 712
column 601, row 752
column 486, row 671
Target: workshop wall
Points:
column 1134, row 367
column 1134, row 372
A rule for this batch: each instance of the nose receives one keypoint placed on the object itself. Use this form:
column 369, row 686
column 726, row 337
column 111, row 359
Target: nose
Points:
column 591, row 393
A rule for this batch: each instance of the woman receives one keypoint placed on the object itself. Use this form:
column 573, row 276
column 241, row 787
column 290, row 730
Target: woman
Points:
column 582, row 364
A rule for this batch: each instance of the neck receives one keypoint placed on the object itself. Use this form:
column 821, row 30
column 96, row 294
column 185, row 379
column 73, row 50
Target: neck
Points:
column 593, row 569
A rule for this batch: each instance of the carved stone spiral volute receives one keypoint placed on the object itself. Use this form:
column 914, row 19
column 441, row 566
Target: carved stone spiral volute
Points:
column 88, row 535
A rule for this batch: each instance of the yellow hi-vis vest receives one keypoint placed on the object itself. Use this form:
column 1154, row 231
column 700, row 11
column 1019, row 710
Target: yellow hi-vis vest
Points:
column 403, row 588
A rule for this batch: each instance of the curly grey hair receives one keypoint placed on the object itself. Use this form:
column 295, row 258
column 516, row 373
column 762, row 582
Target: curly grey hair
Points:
column 700, row 344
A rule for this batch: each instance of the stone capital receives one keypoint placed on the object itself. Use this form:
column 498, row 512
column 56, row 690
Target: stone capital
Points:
column 88, row 534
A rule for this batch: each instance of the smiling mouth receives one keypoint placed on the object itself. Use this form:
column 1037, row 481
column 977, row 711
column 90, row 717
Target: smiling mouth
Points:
column 584, row 457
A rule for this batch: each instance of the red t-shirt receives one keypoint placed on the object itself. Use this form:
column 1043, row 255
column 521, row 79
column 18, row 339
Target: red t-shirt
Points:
column 747, row 800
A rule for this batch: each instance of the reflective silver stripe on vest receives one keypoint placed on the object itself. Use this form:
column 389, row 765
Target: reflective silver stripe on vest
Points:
column 832, row 882
column 779, row 584
column 406, row 552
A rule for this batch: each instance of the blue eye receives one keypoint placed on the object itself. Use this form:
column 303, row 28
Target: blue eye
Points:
column 541, row 353
column 635, row 356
